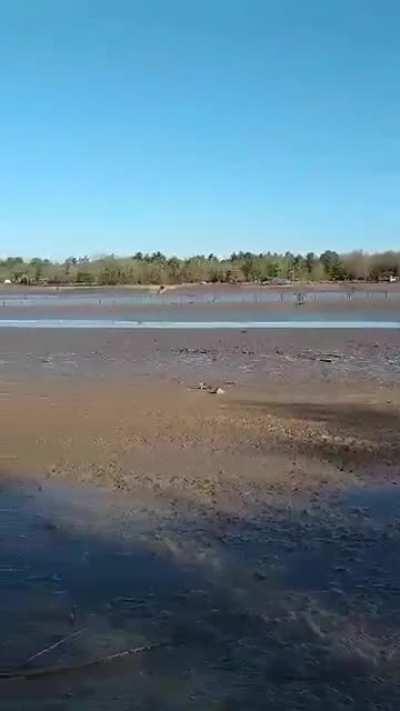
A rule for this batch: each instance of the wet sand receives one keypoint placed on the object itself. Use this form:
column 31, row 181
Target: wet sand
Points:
column 254, row 535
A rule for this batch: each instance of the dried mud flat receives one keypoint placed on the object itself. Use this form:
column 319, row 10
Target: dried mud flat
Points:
column 166, row 546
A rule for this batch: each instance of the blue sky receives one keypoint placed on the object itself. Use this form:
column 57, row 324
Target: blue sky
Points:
column 198, row 126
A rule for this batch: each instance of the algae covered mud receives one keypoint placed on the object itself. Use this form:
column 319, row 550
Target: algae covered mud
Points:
column 164, row 545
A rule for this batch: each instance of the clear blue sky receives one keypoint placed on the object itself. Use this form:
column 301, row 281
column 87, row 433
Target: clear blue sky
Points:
column 186, row 126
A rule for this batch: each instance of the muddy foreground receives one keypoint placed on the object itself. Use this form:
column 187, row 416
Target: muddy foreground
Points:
column 246, row 543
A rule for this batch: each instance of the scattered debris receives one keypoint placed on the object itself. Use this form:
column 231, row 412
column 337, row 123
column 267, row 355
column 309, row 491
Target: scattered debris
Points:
column 212, row 390
column 306, row 356
column 193, row 351
column 23, row 673
column 321, row 357
column 54, row 646
column 72, row 615
column 50, row 526
column 51, row 578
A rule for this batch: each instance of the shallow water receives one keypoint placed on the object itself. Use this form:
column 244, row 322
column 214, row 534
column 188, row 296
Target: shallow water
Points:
column 206, row 307
column 196, row 295
column 190, row 325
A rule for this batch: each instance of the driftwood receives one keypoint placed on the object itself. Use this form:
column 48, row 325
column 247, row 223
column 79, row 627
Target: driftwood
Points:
column 24, row 673
column 54, row 646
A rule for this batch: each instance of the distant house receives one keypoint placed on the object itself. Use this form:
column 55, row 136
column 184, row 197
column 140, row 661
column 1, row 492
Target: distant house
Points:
column 388, row 276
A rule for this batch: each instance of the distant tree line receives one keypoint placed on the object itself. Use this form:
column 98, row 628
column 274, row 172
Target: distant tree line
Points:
column 156, row 268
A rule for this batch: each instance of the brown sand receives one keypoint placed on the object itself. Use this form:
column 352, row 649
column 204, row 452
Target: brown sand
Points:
column 122, row 409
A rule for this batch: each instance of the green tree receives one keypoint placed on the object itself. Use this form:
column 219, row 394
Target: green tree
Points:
column 333, row 265
column 310, row 261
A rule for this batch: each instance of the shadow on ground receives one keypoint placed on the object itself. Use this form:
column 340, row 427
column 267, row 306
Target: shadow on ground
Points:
column 297, row 609
column 349, row 432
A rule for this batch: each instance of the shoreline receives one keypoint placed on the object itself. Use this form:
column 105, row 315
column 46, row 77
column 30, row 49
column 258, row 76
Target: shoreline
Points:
column 310, row 285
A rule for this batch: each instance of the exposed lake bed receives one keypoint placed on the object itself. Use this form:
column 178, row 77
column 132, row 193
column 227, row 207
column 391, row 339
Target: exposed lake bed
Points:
column 247, row 542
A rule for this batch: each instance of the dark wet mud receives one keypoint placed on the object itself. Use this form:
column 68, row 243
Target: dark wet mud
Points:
column 298, row 607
